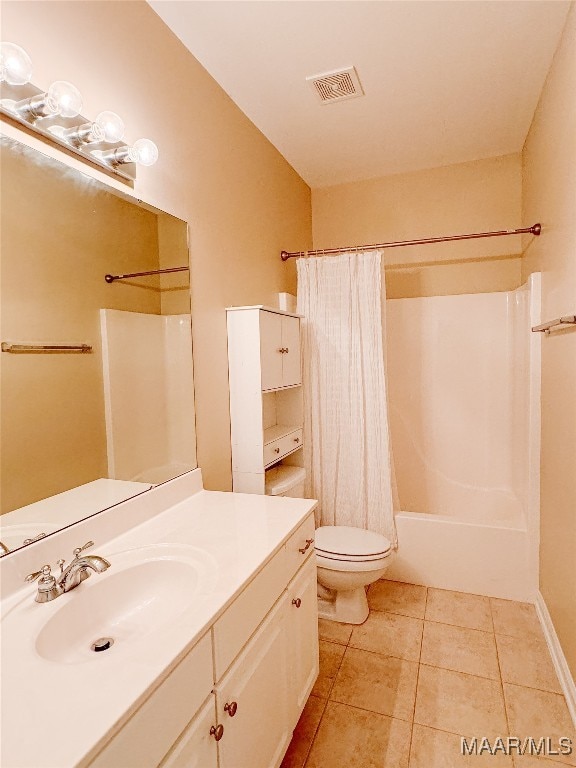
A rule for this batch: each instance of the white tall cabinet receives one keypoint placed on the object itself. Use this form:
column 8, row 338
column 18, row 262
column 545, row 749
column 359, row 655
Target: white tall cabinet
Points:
column 265, row 377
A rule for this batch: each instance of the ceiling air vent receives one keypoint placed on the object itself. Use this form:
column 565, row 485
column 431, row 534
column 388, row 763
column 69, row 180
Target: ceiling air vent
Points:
column 336, row 86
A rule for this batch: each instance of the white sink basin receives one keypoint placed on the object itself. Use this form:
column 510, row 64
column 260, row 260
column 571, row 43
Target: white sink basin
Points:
column 123, row 606
column 147, row 596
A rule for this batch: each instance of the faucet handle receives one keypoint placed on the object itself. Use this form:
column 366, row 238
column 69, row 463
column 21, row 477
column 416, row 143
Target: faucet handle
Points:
column 45, row 572
column 83, row 547
column 61, row 564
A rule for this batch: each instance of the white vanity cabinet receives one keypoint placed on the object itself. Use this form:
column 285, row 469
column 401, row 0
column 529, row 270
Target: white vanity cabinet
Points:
column 197, row 747
column 265, row 377
column 253, row 699
column 235, row 698
column 302, row 635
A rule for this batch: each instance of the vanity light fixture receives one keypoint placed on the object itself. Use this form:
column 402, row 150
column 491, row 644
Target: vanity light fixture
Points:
column 108, row 127
column 15, row 64
column 55, row 115
column 62, row 98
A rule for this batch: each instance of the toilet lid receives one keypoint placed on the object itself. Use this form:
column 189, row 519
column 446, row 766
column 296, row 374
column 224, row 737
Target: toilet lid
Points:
column 344, row 541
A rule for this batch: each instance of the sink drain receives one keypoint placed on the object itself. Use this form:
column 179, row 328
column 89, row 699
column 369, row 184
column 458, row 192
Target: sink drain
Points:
column 102, row 644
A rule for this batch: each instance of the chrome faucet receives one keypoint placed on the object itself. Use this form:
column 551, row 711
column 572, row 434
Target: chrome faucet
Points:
column 79, row 568
column 50, row 587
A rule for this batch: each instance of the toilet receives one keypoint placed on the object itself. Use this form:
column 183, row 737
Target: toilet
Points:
column 347, row 558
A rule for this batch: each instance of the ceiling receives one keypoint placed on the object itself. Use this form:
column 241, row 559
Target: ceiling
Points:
column 444, row 81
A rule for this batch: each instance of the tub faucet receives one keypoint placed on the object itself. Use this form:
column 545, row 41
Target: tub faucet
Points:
column 79, row 568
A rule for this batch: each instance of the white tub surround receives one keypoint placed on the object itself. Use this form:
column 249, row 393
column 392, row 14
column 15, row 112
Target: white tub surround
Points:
column 464, row 377
column 240, row 610
column 148, row 395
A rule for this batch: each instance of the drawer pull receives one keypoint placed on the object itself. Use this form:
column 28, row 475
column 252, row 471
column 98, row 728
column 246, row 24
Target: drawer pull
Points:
column 276, row 450
column 297, row 602
column 283, row 350
column 231, row 708
column 296, row 439
column 308, row 543
column 217, row 731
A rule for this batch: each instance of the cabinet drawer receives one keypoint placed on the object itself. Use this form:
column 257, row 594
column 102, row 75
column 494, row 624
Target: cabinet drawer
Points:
column 299, row 540
column 233, row 629
column 151, row 732
column 276, row 449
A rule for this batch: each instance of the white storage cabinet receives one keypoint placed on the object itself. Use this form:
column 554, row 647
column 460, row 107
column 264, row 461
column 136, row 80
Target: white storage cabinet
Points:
column 265, row 377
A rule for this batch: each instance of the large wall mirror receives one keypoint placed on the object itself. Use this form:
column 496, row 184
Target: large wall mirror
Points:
column 83, row 429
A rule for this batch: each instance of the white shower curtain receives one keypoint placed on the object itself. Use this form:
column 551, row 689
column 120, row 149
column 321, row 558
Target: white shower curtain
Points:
column 346, row 436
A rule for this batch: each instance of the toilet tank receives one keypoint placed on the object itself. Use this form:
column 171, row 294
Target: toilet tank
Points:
column 284, row 480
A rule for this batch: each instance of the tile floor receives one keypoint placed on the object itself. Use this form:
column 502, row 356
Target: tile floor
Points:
column 427, row 667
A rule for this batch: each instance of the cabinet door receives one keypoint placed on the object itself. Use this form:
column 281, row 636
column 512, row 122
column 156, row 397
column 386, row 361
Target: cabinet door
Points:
column 271, row 354
column 303, row 635
column 257, row 726
column 197, row 747
column 291, row 366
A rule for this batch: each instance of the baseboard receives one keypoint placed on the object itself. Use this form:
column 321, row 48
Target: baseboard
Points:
column 558, row 658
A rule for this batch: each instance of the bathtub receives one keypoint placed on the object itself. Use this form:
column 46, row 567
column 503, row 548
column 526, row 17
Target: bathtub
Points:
column 464, row 409
column 487, row 557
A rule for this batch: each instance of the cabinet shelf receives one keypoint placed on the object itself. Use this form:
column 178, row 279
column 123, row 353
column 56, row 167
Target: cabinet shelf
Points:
column 278, row 431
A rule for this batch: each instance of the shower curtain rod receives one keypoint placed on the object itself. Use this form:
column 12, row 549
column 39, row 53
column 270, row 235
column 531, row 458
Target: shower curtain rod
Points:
column 535, row 229
column 111, row 278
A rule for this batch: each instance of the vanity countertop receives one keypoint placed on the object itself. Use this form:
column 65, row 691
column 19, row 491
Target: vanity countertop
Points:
column 59, row 713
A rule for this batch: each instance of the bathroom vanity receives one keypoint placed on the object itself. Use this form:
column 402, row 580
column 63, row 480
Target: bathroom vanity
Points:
column 210, row 601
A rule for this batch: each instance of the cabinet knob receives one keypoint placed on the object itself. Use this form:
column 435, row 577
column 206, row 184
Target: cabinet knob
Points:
column 308, row 544
column 297, row 602
column 217, row 731
column 286, row 350
column 231, row 708
column 276, row 450
column 283, row 350
column 296, row 439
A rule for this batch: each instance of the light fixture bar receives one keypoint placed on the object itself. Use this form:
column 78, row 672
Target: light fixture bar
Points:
column 58, row 129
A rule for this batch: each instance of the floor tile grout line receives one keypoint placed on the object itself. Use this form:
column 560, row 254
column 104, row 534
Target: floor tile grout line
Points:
column 370, row 711
column 336, row 674
column 387, row 655
column 460, row 626
column 417, row 679
column 459, row 672
column 500, row 674
column 384, row 655
column 396, row 613
column 314, row 734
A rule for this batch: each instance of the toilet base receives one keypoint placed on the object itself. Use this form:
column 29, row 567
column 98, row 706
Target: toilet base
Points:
column 348, row 606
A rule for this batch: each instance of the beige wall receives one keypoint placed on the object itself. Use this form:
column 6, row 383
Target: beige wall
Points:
column 477, row 196
column 60, row 235
column 549, row 170
column 243, row 202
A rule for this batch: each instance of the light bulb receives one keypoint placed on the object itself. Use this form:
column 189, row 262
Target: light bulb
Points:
column 112, row 125
column 15, row 64
column 146, row 151
column 66, row 97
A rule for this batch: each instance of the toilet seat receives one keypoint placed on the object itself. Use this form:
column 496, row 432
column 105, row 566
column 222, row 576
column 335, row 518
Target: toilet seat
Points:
column 332, row 564
column 348, row 559
column 346, row 543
